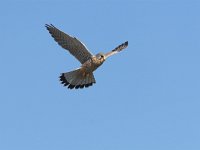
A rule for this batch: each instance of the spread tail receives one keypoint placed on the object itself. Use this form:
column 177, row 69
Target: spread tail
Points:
column 77, row 79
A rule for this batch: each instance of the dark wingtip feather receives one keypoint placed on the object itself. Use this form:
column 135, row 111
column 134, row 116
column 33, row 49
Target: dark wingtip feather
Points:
column 121, row 47
column 49, row 26
column 125, row 44
column 52, row 26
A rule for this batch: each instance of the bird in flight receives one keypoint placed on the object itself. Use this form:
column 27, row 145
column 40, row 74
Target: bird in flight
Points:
column 83, row 76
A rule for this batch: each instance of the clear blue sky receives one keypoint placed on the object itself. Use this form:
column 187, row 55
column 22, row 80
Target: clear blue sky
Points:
column 146, row 97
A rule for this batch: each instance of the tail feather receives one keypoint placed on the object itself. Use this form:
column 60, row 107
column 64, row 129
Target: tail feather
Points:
column 92, row 79
column 76, row 79
column 78, row 83
column 84, row 81
column 82, row 84
column 87, row 81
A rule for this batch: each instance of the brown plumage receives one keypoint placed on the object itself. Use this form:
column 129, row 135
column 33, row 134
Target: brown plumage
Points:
column 83, row 76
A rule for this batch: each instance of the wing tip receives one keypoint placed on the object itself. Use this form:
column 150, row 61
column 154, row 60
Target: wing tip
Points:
column 48, row 26
column 121, row 47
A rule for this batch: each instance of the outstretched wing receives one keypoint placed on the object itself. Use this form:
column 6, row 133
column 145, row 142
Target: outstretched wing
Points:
column 117, row 49
column 72, row 44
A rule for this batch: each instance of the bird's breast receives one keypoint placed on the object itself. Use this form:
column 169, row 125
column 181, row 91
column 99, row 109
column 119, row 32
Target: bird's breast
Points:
column 91, row 64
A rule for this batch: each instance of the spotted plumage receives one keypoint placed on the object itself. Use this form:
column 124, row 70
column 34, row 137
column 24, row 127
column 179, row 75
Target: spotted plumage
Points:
column 83, row 76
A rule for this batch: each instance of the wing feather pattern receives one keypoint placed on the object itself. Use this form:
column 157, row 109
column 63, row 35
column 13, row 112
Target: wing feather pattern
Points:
column 117, row 49
column 72, row 44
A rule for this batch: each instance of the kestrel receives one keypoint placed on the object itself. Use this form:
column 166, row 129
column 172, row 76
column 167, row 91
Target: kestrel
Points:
column 83, row 76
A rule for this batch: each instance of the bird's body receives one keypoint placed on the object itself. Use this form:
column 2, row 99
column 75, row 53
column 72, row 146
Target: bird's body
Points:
column 83, row 76
column 92, row 64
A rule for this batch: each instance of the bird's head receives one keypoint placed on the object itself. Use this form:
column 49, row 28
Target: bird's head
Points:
column 101, row 57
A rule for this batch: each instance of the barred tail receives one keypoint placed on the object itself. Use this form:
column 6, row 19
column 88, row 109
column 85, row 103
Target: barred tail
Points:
column 77, row 79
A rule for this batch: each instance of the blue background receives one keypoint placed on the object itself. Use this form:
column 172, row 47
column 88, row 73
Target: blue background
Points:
column 146, row 97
